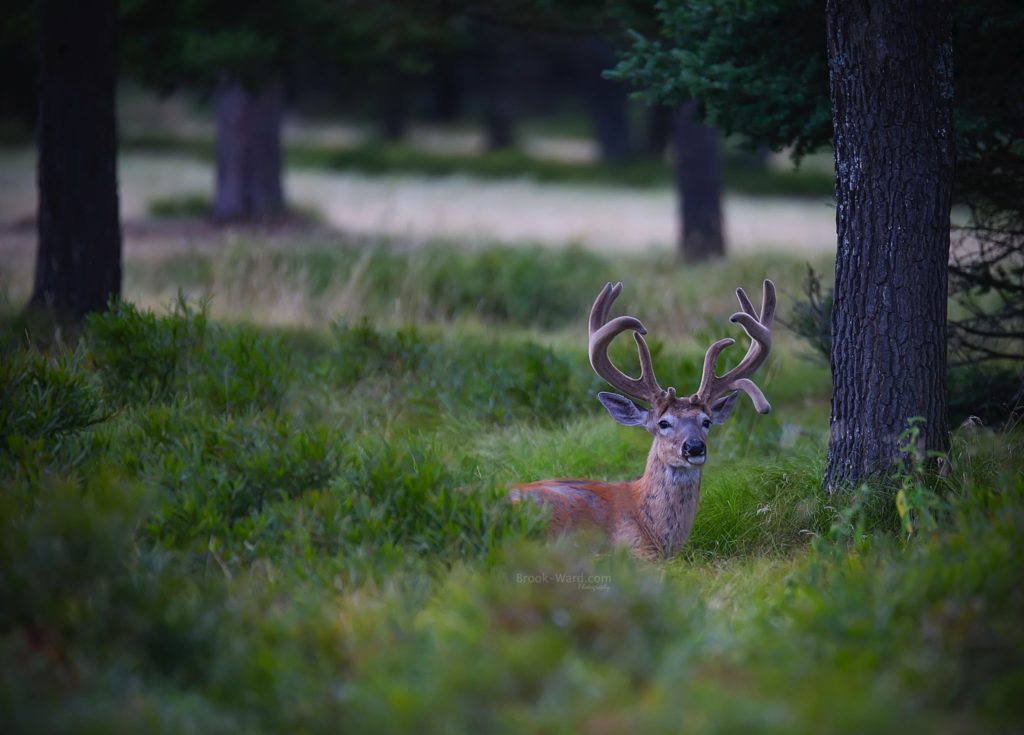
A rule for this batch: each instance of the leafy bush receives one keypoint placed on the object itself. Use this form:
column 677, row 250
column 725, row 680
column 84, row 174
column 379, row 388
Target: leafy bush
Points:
column 46, row 398
column 486, row 379
column 212, row 474
column 46, row 401
column 283, row 530
column 143, row 356
column 139, row 354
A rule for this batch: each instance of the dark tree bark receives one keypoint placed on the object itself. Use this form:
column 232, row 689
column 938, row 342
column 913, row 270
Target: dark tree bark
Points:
column 698, row 163
column 394, row 105
column 78, row 263
column 249, row 155
column 659, row 130
column 890, row 69
column 499, row 59
column 607, row 99
column 446, row 89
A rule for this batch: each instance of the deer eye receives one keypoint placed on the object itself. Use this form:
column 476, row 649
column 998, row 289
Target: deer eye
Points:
column 707, row 423
column 664, row 424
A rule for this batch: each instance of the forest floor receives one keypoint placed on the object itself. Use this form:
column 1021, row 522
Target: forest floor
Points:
column 276, row 503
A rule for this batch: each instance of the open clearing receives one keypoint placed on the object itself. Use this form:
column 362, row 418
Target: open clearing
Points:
column 471, row 211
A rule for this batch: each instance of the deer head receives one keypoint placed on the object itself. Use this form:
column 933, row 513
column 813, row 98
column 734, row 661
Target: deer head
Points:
column 680, row 424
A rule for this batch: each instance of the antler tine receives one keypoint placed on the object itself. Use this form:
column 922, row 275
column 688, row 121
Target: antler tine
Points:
column 759, row 331
column 603, row 332
column 767, row 303
column 745, row 304
column 758, row 328
column 707, row 377
column 750, row 388
column 602, row 304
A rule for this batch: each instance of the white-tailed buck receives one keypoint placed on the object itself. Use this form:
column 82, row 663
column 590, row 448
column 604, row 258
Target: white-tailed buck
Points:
column 653, row 514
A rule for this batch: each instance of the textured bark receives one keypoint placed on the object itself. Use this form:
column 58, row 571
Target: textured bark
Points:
column 249, row 155
column 698, row 164
column 78, row 265
column 890, row 69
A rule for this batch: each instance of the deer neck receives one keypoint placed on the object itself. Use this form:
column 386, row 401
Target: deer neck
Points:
column 668, row 498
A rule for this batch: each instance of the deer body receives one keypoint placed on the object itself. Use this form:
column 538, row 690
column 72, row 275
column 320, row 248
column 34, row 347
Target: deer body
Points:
column 654, row 514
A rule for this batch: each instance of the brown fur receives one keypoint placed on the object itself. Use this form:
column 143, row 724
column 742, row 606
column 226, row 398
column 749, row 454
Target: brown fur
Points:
column 652, row 515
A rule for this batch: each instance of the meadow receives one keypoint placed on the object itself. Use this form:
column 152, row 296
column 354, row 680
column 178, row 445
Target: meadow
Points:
column 266, row 493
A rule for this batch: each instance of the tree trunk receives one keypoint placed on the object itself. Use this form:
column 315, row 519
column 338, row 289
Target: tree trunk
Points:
column 394, row 106
column 249, row 153
column 890, row 70
column 78, row 263
column 500, row 58
column 659, row 130
column 446, row 89
column 699, row 185
column 607, row 99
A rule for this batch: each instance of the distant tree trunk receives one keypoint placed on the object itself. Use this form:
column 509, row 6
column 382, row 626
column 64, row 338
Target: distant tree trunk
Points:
column 659, row 130
column 891, row 76
column 698, row 165
column 446, row 89
column 249, row 154
column 394, row 121
column 394, row 106
column 78, row 263
column 500, row 54
column 607, row 99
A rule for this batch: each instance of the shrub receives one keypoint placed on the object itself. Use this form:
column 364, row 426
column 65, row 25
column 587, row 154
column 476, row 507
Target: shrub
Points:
column 213, row 472
column 139, row 354
column 143, row 356
column 46, row 402
column 487, row 379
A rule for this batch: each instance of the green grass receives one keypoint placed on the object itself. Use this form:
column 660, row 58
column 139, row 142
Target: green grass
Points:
column 191, row 206
column 377, row 158
column 518, row 288
column 218, row 526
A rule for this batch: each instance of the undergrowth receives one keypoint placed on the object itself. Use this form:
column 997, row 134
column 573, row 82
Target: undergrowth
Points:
column 223, row 528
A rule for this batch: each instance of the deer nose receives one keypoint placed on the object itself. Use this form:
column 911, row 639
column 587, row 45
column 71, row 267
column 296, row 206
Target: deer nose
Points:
column 694, row 448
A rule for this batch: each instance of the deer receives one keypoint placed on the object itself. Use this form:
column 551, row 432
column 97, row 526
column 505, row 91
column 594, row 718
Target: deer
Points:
column 653, row 515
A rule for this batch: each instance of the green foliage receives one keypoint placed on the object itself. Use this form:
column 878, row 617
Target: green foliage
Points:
column 188, row 206
column 213, row 474
column 758, row 68
column 140, row 355
column 480, row 378
column 46, row 398
column 214, row 560
column 514, row 285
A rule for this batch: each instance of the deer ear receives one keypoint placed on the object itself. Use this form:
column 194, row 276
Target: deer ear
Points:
column 723, row 407
column 623, row 410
